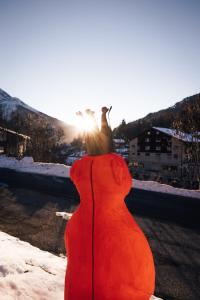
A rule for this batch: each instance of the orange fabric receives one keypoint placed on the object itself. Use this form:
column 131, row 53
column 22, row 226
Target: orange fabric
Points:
column 109, row 257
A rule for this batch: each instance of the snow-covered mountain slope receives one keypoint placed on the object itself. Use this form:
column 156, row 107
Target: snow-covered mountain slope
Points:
column 28, row 273
column 28, row 165
column 9, row 104
column 16, row 113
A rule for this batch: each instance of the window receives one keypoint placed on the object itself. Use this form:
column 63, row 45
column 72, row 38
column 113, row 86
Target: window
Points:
column 133, row 146
column 133, row 153
column 138, row 153
column 148, row 132
column 158, row 140
column 147, row 140
column 157, row 132
column 168, row 148
column 147, row 154
column 147, row 147
column 158, row 147
column 1, row 149
column 175, row 156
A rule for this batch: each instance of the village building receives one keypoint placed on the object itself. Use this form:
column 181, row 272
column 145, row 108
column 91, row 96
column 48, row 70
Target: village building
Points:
column 121, row 148
column 159, row 152
column 13, row 143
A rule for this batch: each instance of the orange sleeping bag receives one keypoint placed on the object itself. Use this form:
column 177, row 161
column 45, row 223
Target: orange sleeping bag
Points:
column 108, row 255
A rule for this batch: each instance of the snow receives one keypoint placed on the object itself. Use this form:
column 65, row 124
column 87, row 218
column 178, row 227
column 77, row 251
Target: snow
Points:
column 122, row 150
column 10, row 104
column 186, row 137
column 119, row 141
column 164, row 188
column 26, row 164
column 14, row 132
column 28, row 273
column 64, row 215
column 55, row 169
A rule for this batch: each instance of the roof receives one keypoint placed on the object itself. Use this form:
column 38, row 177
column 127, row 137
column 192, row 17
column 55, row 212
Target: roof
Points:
column 14, row 132
column 186, row 137
column 119, row 141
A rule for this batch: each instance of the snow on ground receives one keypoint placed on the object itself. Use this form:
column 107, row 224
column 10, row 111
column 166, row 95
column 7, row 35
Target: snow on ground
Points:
column 64, row 215
column 28, row 165
column 28, row 273
column 164, row 188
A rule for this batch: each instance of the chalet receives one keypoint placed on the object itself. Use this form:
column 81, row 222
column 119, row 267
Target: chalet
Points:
column 160, row 151
column 12, row 143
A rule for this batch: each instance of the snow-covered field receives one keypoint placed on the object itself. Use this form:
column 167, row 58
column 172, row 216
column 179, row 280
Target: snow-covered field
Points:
column 28, row 165
column 28, row 273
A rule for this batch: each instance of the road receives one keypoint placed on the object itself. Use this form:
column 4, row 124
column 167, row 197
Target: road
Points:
column 30, row 215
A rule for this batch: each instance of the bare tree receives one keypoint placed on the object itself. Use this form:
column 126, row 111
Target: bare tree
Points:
column 187, row 124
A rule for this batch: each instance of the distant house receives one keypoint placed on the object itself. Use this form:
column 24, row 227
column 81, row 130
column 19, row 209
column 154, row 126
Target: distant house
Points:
column 121, row 148
column 12, row 143
column 160, row 151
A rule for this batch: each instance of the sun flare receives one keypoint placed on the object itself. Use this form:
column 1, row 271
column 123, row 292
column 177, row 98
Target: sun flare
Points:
column 85, row 123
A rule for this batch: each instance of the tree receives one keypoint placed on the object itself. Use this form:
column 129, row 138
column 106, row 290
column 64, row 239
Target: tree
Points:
column 188, row 121
column 120, row 131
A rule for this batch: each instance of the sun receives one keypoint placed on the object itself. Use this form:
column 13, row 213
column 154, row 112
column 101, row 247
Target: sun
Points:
column 84, row 122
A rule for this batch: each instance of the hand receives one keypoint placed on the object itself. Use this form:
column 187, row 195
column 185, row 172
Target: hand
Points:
column 89, row 112
column 104, row 109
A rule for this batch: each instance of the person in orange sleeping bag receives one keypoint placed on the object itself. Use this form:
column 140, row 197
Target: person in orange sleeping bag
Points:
column 108, row 255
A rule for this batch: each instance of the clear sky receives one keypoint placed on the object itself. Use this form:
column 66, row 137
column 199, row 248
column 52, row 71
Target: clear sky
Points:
column 62, row 56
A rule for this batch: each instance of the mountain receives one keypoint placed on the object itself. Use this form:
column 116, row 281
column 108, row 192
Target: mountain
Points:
column 19, row 116
column 186, row 111
column 10, row 105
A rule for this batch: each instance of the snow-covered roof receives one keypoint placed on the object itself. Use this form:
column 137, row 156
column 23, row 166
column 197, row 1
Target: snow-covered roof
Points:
column 14, row 132
column 119, row 141
column 186, row 137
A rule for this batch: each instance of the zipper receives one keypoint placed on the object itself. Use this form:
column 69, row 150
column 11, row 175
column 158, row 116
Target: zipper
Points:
column 92, row 190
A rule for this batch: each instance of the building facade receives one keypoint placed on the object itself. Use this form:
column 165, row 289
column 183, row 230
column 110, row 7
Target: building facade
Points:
column 159, row 152
column 12, row 143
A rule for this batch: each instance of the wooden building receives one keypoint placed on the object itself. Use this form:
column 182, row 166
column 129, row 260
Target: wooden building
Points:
column 159, row 151
column 13, row 143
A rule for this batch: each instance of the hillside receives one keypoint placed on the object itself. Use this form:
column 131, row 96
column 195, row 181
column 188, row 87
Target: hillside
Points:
column 49, row 136
column 187, row 110
column 17, row 115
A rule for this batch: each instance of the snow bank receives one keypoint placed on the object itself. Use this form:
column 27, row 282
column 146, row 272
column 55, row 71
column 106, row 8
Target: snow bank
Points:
column 28, row 165
column 164, row 188
column 28, row 273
